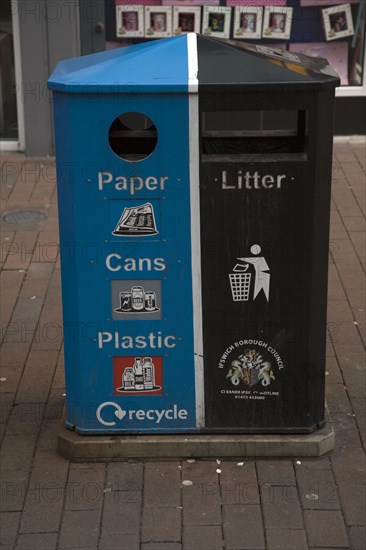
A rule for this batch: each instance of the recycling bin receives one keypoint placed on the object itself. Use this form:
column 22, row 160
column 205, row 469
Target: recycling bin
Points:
column 194, row 198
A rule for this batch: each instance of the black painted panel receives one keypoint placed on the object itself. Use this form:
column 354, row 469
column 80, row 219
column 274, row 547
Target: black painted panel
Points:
column 264, row 357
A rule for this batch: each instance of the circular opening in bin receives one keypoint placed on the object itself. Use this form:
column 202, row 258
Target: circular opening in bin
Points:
column 133, row 136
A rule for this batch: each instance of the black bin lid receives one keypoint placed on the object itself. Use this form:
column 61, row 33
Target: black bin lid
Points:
column 230, row 62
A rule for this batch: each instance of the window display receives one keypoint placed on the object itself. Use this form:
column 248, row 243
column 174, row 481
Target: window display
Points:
column 277, row 22
column 338, row 22
column 186, row 19
column 334, row 29
column 248, row 22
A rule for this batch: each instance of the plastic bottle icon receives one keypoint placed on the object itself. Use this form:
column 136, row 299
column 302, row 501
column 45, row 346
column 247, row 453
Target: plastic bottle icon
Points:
column 149, row 373
column 139, row 374
column 128, row 379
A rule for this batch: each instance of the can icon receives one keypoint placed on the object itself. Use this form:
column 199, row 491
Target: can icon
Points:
column 137, row 298
column 150, row 301
column 125, row 301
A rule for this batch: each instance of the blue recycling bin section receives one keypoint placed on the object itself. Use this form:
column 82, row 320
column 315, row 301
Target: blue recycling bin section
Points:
column 194, row 180
column 127, row 215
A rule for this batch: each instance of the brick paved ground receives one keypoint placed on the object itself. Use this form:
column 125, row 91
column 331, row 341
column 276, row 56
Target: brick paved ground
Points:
column 48, row 503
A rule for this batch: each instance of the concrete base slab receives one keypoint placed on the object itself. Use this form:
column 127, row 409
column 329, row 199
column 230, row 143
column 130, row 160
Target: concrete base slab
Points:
column 106, row 447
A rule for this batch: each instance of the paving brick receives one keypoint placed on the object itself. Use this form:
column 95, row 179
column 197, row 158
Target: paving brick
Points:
column 353, row 499
column 47, row 247
column 358, row 240
column 24, row 321
column 355, row 380
column 25, row 418
column 162, row 484
column 49, row 330
column 43, row 509
column 353, row 279
column 55, row 406
column 329, row 349
column 121, row 514
column 201, row 504
column 346, row 332
column 339, row 311
column 161, row 525
column 346, row 202
column 9, row 175
column 54, row 288
column 117, row 542
column 126, row 477
column 325, row 529
column 45, row 494
column 243, row 527
column 349, row 356
column 281, row 507
column 161, row 546
column 14, row 354
column 79, row 528
column 279, row 472
column 322, row 463
column 286, row 539
column 204, row 537
column 357, row 298
column 317, row 490
column 37, row 377
column 59, row 376
column 346, row 431
column 9, row 522
column 335, row 287
column 333, row 371
column 20, row 256
column 40, row 541
column 337, row 399
column 6, row 238
column 47, row 440
column 15, row 466
column 201, row 500
column 238, row 484
column 10, row 284
column 338, row 231
column 354, row 223
column 85, row 487
column 9, row 379
column 359, row 407
column 357, row 538
column 349, row 465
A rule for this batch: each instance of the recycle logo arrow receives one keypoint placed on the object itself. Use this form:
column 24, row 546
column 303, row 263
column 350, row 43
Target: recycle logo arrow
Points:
column 119, row 413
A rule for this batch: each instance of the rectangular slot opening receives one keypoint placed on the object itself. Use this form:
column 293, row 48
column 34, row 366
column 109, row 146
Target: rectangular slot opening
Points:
column 253, row 135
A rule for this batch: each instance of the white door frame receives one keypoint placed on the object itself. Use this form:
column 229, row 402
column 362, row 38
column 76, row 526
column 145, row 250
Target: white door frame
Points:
column 16, row 144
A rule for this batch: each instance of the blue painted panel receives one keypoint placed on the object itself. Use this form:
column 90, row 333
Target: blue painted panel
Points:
column 100, row 347
column 149, row 67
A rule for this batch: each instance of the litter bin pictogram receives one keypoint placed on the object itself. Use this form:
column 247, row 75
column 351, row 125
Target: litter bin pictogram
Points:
column 240, row 283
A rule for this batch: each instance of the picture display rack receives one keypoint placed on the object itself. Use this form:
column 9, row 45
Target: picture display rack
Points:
column 307, row 24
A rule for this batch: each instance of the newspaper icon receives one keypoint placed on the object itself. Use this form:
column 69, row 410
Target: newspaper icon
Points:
column 137, row 220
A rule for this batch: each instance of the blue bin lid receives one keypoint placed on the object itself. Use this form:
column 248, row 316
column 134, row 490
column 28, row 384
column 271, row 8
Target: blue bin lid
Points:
column 182, row 63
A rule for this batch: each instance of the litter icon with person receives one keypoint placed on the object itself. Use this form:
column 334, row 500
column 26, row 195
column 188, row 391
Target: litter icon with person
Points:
column 241, row 279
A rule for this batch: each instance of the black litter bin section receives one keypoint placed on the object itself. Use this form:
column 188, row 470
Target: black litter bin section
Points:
column 266, row 131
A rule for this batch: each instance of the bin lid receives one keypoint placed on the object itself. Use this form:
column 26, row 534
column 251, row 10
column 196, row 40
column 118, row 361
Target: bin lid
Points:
column 182, row 63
